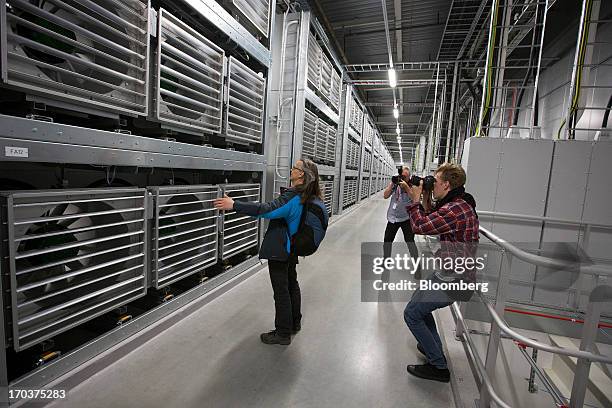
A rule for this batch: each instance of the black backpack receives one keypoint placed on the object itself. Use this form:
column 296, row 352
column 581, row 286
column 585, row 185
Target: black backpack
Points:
column 313, row 225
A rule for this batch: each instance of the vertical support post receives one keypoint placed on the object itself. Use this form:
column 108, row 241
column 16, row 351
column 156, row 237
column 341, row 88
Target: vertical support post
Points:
column 499, row 91
column 495, row 333
column 532, row 387
column 536, row 79
column 451, row 119
column 488, row 76
column 589, row 335
column 344, row 147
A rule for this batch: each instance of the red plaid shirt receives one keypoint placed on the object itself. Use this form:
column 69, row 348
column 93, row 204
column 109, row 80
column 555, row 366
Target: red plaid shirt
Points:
column 455, row 221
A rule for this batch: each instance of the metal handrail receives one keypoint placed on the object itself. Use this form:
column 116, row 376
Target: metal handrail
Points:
column 542, row 260
column 542, row 346
column 479, row 365
column 541, row 218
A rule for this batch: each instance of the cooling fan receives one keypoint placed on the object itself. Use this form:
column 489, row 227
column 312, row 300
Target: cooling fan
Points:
column 72, row 258
column 186, row 232
column 189, row 71
column 239, row 232
column 79, row 51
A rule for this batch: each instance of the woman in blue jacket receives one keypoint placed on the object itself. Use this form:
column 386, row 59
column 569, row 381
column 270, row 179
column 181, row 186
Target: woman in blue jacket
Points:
column 284, row 214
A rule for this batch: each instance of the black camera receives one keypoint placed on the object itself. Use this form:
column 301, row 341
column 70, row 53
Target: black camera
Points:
column 428, row 182
column 396, row 179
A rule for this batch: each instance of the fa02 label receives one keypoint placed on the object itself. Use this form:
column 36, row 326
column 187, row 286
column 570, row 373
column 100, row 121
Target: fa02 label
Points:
column 10, row 151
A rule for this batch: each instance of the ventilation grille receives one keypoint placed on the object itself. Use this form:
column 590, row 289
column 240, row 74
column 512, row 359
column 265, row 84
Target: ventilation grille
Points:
column 79, row 51
column 239, row 232
column 72, row 255
column 331, row 144
column 309, row 135
column 314, row 63
column 321, row 141
column 245, row 103
column 189, row 73
column 367, row 161
column 328, row 192
column 365, row 187
column 336, row 90
column 185, row 233
column 352, row 154
column 257, row 11
column 356, row 117
column 349, row 196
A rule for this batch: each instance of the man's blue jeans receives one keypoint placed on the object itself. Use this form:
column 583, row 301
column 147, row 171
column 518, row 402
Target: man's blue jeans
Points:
column 421, row 323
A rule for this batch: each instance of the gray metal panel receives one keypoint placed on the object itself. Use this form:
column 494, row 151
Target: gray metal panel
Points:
column 217, row 15
column 73, row 255
column 185, row 232
column 57, row 143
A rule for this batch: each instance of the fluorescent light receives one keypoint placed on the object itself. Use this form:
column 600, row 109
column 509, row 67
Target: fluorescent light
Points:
column 395, row 113
column 392, row 78
column 397, row 130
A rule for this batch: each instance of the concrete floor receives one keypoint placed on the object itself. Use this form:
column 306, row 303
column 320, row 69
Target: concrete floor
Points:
column 348, row 354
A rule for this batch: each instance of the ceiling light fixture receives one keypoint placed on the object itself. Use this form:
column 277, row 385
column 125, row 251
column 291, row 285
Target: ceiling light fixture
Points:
column 395, row 112
column 392, row 77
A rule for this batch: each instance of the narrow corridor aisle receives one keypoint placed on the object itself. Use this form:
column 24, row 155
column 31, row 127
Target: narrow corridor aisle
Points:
column 348, row 354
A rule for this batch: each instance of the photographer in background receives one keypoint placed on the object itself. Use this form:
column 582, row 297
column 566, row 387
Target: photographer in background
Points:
column 397, row 214
column 454, row 219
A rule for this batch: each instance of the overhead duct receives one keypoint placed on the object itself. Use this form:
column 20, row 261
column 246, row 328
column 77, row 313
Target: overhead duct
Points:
column 188, row 86
column 238, row 232
column 245, row 104
column 185, row 232
column 78, row 51
column 72, row 255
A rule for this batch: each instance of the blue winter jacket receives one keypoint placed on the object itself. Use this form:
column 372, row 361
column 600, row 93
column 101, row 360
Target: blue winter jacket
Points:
column 284, row 214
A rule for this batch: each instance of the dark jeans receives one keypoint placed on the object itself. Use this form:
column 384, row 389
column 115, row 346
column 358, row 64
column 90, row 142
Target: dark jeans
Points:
column 287, row 296
column 421, row 323
column 390, row 233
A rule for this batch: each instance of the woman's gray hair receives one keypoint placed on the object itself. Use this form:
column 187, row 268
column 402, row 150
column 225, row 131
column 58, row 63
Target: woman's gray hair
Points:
column 310, row 187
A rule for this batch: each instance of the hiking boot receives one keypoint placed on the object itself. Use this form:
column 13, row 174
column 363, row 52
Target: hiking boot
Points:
column 429, row 372
column 274, row 338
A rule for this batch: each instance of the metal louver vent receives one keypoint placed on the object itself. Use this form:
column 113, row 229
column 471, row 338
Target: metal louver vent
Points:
column 185, row 232
column 331, row 144
column 328, row 192
column 72, row 255
column 245, row 103
column 79, row 51
column 239, row 232
column 189, row 71
column 309, row 136
column 327, row 70
column 257, row 11
column 336, row 90
column 321, row 141
column 314, row 63
column 365, row 187
column 349, row 196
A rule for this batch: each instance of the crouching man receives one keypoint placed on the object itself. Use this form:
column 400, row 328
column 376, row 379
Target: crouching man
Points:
column 453, row 218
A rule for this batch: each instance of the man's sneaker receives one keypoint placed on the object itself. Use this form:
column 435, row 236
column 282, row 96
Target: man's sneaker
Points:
column 274, row 338
column 296, row 328
column 429, row 372
column 421, row 350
